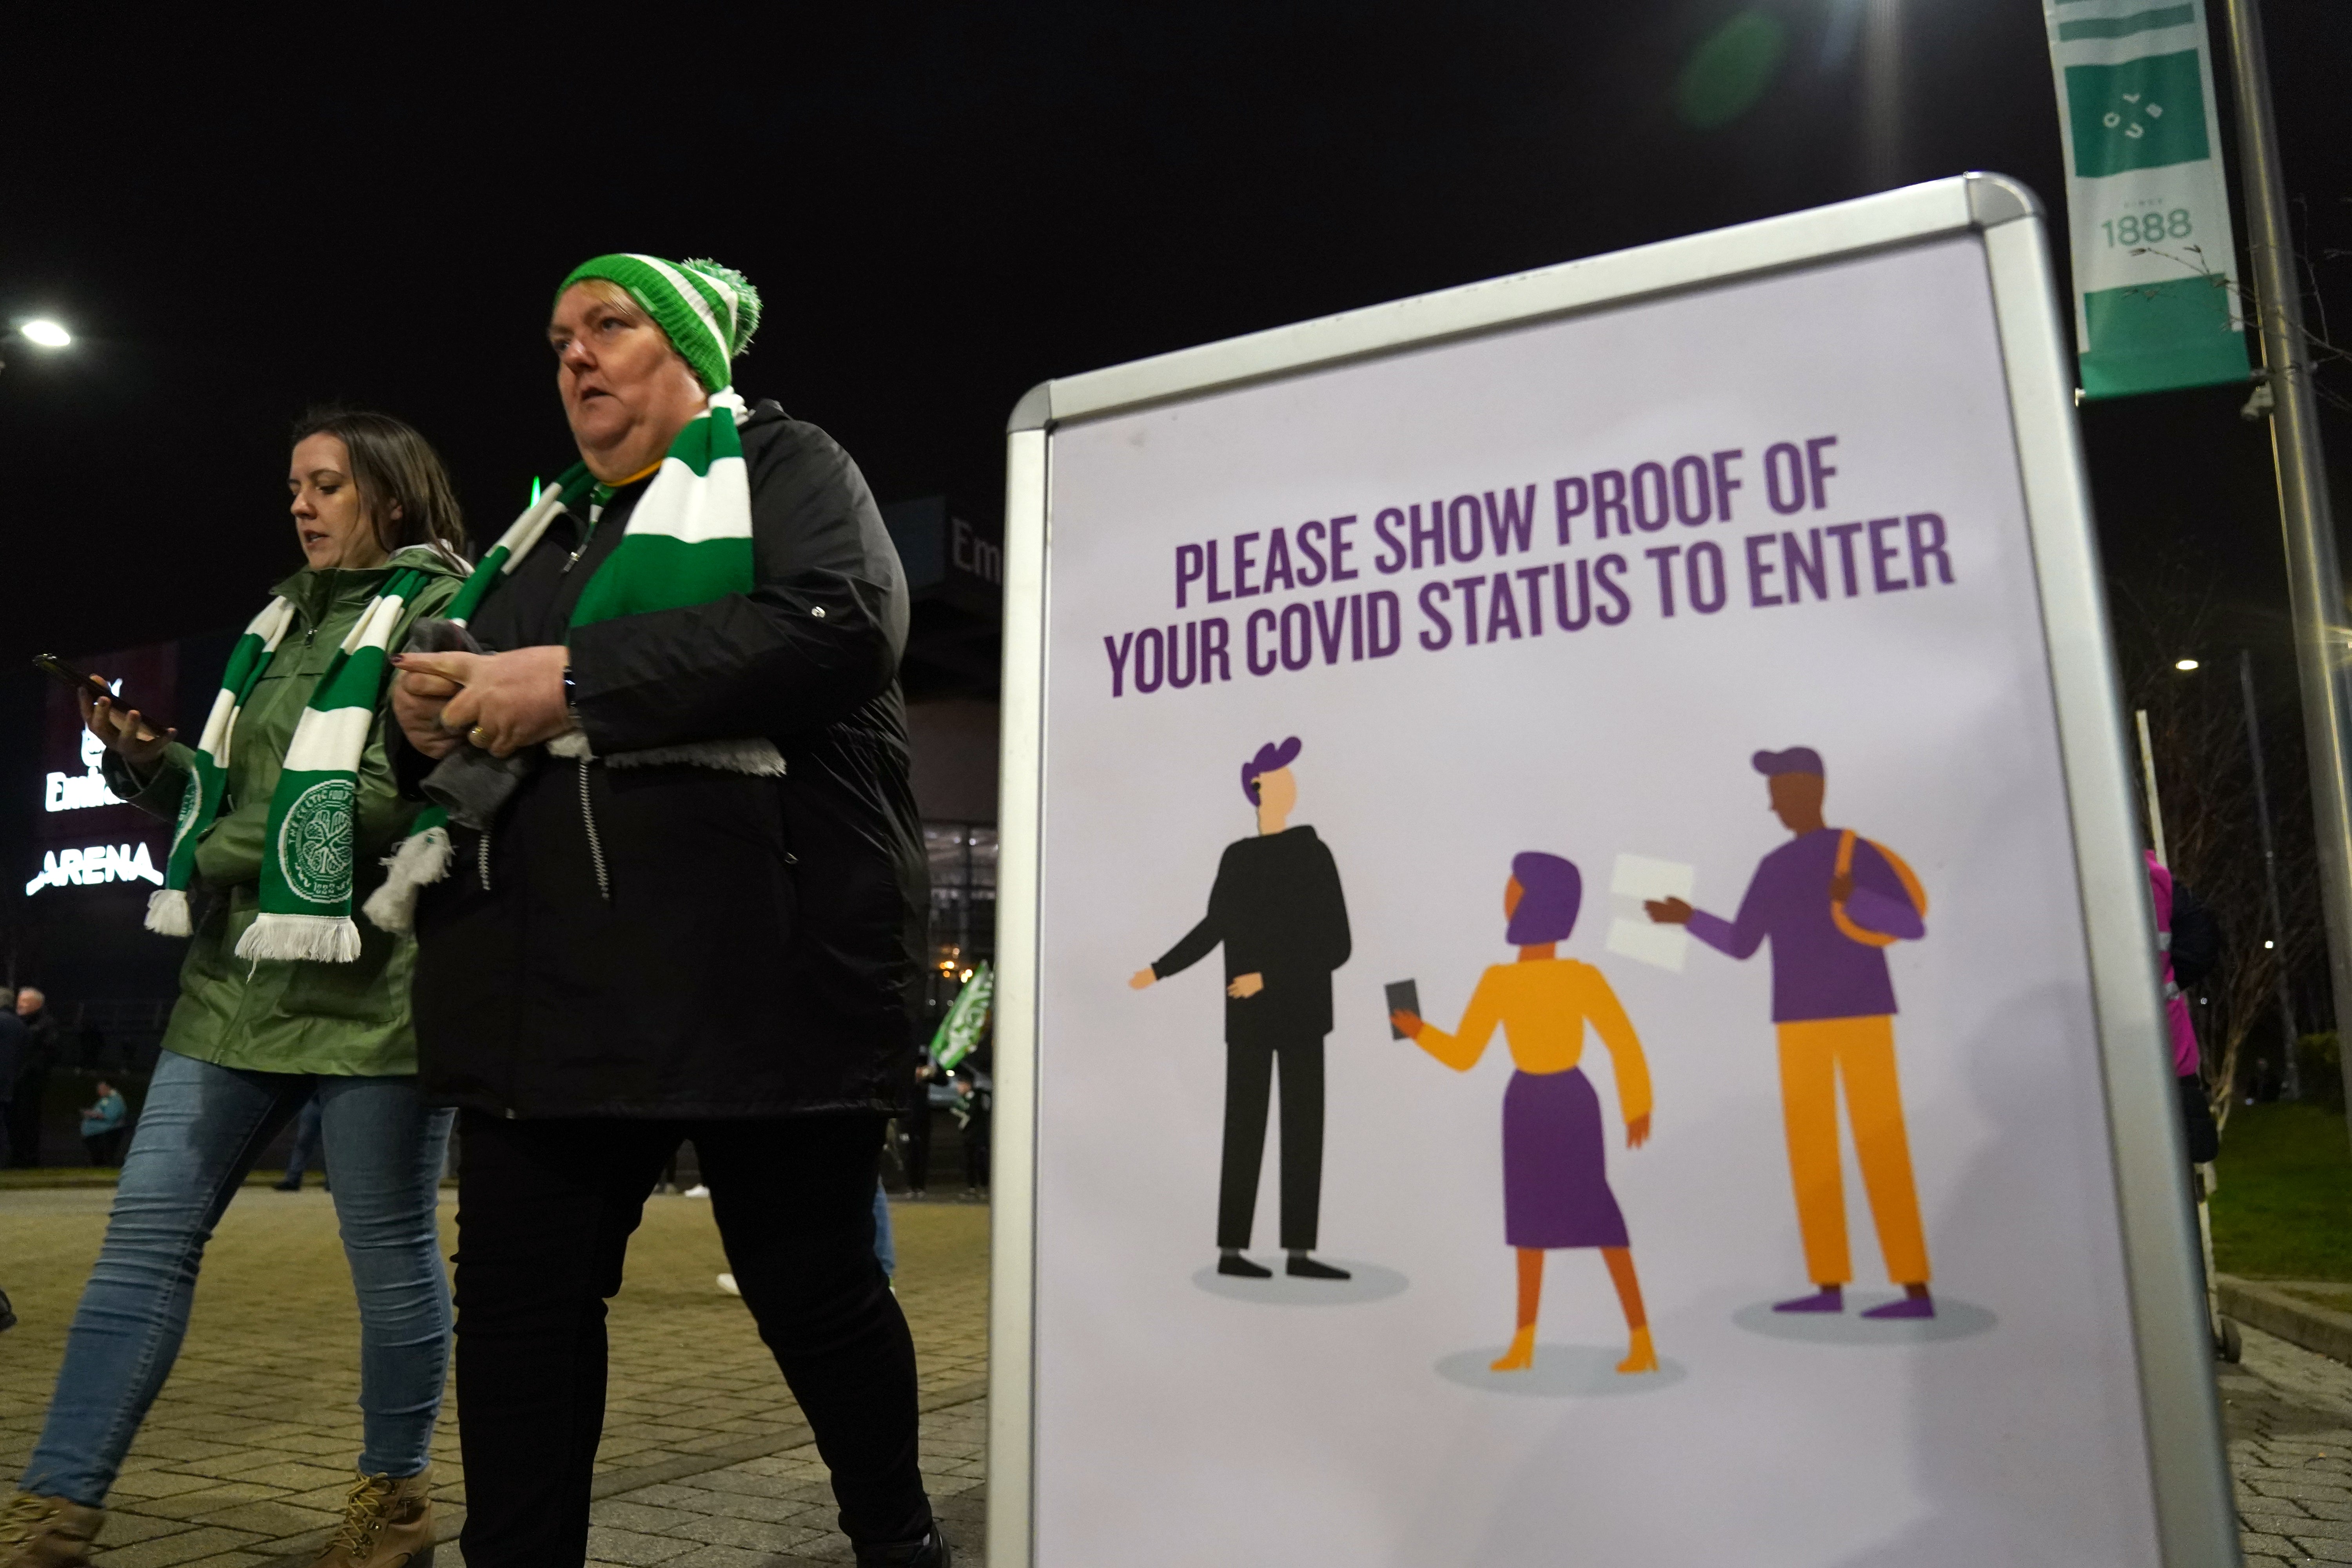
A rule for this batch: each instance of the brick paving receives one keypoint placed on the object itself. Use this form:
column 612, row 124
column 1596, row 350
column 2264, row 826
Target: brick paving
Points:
column 246, row 1458
column 705, row 1462
column 2290, row 1419
column 776, row 1510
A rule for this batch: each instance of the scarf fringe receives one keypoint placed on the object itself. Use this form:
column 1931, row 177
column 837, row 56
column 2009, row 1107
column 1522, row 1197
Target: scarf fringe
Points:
column 167, row 912
column 321, row 939
column 421, row 860
column 757, row 755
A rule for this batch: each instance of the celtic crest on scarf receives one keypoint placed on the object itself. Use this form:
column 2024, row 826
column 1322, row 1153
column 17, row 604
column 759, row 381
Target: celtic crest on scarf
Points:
column 314, row 845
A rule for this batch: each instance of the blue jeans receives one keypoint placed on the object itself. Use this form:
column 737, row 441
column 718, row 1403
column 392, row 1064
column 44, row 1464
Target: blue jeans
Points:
column 200, row 1131
column 309, row 1141
column 886, row 1248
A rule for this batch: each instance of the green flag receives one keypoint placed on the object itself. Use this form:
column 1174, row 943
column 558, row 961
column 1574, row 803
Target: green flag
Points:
column 2155, row 270
column 960, row 1031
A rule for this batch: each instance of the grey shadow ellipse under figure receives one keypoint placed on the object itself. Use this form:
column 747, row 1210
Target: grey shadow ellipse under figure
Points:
column 1278, row 907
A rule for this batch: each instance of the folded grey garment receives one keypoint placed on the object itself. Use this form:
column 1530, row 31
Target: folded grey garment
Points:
column 472, row 784
column 469, row 782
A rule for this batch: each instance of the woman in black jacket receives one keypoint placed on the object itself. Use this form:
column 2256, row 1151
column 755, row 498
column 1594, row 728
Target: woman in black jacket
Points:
column 698, row 914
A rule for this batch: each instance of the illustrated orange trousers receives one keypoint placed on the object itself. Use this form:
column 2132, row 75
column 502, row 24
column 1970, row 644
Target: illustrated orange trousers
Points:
column 1814, row 1055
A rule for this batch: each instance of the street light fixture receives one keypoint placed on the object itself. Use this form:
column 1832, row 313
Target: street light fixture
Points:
column 2184, row 664
column 40, row 332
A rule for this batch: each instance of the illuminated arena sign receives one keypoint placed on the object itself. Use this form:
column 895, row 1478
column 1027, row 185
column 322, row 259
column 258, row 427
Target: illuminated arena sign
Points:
column 98, row 863
column 68, row 792
column 83, row 834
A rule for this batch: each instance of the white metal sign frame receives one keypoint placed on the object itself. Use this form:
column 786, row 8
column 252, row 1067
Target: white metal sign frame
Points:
column 2195, row 1520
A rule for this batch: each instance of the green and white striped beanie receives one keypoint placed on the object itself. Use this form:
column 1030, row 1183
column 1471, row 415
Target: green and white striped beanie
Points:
column 710, row 312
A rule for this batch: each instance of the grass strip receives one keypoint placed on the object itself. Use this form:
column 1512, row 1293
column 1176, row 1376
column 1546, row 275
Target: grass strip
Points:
column 2283, row 1209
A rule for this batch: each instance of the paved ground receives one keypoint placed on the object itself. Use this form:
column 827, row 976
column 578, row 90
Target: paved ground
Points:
column 705, row 1463
column 2290, row 1419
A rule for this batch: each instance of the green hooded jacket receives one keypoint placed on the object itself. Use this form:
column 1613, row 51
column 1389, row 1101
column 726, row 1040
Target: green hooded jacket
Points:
column 298, row 1016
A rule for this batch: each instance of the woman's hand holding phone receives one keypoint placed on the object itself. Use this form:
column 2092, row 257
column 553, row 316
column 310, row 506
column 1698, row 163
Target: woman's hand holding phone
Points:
column 123, row 732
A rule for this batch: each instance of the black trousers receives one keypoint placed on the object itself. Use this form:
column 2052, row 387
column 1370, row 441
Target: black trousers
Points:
column 545, row 1209
column 23, row 1116
column 917, row 1125
column 2198, row 1130
column 2202, row 1139
column 1249, row 1080
column 975, row 1148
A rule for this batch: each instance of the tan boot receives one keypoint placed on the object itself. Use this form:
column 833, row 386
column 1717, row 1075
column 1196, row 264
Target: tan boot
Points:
column 47, row 1532
column 388, row 1523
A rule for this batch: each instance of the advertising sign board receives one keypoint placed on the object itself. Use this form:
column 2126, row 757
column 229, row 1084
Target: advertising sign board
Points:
column 1575, row 981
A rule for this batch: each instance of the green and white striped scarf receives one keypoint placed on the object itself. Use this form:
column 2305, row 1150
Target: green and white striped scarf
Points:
column 306, row 857
column 689, row 539
column 689, row 543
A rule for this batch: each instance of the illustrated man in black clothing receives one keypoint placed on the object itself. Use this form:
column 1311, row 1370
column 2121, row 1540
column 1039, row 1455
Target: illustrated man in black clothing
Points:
column 1278, row 907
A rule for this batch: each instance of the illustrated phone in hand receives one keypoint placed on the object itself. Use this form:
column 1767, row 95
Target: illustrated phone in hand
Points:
column 1404, row 997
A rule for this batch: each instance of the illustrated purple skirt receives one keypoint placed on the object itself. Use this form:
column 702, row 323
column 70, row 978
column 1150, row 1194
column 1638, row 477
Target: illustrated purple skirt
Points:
column 1555, row 1171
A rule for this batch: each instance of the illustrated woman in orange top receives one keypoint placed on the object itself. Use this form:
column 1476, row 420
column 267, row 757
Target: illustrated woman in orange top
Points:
column 1555, row 1166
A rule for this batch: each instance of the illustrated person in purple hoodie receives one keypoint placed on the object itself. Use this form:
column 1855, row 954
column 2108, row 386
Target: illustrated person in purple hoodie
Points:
column 1277, row 909
column 1831, row 902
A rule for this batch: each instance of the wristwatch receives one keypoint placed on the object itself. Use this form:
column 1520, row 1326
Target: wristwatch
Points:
column 571, row 695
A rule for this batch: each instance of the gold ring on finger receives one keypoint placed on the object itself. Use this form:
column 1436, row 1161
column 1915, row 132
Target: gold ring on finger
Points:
column 475, row 735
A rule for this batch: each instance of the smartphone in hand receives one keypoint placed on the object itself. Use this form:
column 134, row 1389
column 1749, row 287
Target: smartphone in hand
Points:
column 66, row 675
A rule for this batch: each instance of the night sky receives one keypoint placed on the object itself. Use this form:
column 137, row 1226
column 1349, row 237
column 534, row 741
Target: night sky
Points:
column 942, row 206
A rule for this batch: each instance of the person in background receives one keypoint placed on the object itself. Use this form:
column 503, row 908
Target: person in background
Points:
column 309, row 1148
column 101, row 1125
column 2190, row 940
column 2189, row 951
column 971, row 1108
column 285, row 810
column 2188, row 946
column 8, row 1015
column 918, row 1122
column 12, row 1052
column 32, row 1085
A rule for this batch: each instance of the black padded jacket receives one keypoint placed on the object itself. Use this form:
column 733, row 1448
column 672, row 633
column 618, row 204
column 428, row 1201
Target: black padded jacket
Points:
column 675, row 941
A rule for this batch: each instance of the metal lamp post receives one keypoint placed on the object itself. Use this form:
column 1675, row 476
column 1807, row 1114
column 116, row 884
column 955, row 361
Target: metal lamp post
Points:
column 2315, row 579
column 2290, row 1074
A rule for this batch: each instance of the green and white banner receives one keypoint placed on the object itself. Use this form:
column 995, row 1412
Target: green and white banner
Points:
column 2155, row 268
column 958, row 1033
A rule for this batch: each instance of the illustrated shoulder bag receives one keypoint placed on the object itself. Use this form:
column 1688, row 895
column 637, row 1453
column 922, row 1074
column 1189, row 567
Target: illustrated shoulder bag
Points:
column 1911, row 888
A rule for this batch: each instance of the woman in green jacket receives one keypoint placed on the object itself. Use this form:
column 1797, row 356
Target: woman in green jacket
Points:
column 286, row 811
